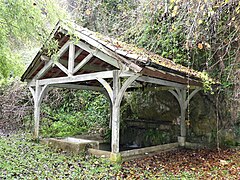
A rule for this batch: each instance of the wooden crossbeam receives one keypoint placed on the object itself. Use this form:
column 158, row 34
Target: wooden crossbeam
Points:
column 51, row 63
column 107, row 51
column 78, row 78
column 80, row 87
column 160, row 82
column 82, row 63
column 43, row 71
column 99, row 54
column 62, row 68
column 78, row 53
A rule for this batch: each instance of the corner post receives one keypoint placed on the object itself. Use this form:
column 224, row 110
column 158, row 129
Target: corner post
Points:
column 183, row 113
column 115, row 113
column 36, row 111
column 38, row 95
column 183, row 100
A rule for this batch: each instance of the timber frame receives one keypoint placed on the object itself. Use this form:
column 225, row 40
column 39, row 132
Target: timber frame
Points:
column 90, row 61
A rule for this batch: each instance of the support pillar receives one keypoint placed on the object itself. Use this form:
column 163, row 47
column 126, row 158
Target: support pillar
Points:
column 115, row 113
column 38, row 95
column 116, row 94
column 183, row 100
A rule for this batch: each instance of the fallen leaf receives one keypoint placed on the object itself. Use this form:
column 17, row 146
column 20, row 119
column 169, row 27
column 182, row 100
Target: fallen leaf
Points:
column 200, row 46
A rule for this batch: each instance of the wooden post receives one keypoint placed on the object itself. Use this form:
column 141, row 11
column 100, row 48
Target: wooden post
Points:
column 38, row 95
column 36, row 111
column 115, row 113
column 115, row 95
column 183, row 113
column 183, row 100
column 71, row 57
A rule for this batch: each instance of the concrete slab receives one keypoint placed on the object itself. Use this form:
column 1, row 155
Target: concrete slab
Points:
column 71, row 144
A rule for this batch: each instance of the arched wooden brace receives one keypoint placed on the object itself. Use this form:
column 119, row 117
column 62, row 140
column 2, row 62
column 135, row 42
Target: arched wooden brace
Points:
column 38, row 95
column 109, row 95
column 183, row 100
column 116, row 94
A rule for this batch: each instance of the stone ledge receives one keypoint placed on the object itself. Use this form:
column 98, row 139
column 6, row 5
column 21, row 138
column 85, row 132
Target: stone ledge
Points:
column 72, row 145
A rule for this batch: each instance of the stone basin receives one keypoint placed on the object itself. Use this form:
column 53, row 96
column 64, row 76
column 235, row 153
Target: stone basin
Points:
column 71, row 144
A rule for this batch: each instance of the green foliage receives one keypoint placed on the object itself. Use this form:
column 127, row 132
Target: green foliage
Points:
column 23, row 26
column 23, row 159
column 203, row 35
column 75, row 113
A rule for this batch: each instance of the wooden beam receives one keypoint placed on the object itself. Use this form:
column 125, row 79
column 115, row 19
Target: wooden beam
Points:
column 43, row 71
column 32, row 92
column 107, row 87
column 159, row 81
column 78, row 53
column 166, row 76
column 126, row 84
column 107, row 51
column 71, row 58
column 42, row 93
column 63, row 49
column 99, row 54
column 78, row 78
column 183, row 100
column 191, row 96
column 80, row 87
column 89, row 67
column 82, row 63
column 51, row 63
column 175, row 95
column 115, row 114
column 62, row 68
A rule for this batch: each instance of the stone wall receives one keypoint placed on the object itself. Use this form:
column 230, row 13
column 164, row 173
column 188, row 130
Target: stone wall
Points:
column 161, row 109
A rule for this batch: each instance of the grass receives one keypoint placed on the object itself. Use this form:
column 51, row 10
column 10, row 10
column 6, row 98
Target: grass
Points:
column 22, row 158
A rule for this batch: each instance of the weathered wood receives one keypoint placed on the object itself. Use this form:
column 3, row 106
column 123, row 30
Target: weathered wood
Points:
column 159, row 81
column 90, row 67
column 107, row 87
column 62, row 68
column 32, row 92
column 63, row 49
column 43, row 71
column 183, row 100
column 71, row 58
column 115, row 114
column 169, row 77
column 78, row 53
column 99, row 54
column 107, row 51
column 116, row 102
column 126, row 84
column 36, row 111
column 80, row 87
column 78, row 78
column 38, row 95
column 82, row 63
column 42, row 93
column 191, row 95
column 180, row 95
column 175, row 95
